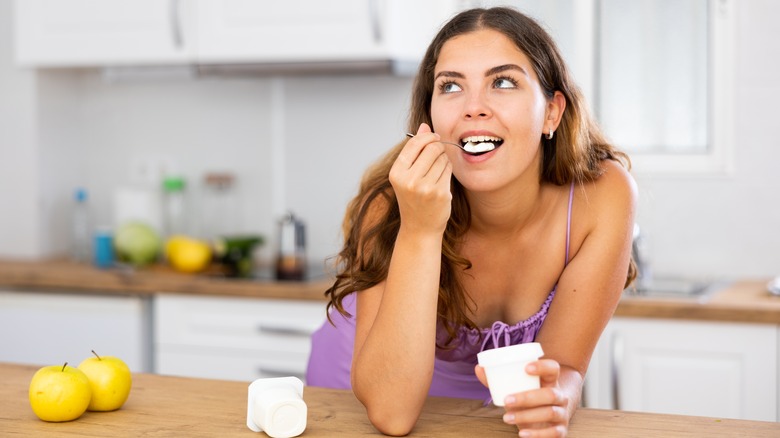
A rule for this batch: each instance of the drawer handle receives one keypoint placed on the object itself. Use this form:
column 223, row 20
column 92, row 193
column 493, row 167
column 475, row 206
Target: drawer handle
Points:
column 288, row 331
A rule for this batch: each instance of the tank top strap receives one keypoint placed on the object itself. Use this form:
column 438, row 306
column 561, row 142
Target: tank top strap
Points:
column 568, row 223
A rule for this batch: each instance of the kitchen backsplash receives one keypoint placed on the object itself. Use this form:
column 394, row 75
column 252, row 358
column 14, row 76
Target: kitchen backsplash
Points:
column 297, row 144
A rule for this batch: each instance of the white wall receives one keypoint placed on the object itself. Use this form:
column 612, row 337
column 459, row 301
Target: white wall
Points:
column 728, row 226
column 63, row 128
column 20, row 210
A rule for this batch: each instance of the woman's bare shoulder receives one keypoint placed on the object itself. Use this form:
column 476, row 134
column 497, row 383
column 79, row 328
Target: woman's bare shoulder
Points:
column 614, row 185
column 610, row 197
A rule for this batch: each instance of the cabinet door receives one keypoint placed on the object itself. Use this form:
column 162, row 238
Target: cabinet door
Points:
column 290, row 31
column 724, row 370
column 234, row 338
column 49, row 329
column 102, row 32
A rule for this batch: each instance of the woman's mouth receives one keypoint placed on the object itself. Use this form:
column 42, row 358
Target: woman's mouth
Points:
column 480, row 144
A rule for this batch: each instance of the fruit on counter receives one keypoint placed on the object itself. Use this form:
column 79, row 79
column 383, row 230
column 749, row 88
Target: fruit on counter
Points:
column 110, row 381
column 186, row 254
column 59, row 393
column 137, row 243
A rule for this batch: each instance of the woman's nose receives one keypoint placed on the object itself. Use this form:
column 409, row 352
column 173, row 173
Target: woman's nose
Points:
column 476, row 106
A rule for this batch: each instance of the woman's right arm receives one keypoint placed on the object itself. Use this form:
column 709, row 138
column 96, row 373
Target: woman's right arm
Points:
column 395, row 338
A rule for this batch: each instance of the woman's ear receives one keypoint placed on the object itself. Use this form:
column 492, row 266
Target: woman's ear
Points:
column 555, row 108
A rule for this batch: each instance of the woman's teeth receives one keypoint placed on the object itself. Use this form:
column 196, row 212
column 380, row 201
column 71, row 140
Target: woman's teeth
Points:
column 480, row 143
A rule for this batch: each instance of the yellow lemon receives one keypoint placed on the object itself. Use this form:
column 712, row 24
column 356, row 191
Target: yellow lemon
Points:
column 186, row 254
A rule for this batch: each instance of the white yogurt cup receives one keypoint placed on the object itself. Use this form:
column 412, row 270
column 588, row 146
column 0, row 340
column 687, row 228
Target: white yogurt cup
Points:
column 505, row 369
column 275, row 406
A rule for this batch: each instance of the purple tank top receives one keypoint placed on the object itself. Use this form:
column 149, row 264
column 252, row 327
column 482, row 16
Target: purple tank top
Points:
column 453, row 375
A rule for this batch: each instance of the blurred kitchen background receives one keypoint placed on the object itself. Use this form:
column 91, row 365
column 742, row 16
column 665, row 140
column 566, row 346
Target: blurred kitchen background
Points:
column 300, row 140
column 291, row 101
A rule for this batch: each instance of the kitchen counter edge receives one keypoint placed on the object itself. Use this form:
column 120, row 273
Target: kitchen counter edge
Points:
column 741, row 301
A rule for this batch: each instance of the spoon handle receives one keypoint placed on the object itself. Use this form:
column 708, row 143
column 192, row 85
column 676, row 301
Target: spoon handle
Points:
column 410, row 135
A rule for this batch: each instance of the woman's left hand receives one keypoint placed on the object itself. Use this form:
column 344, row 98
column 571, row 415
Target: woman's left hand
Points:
column 542, row 412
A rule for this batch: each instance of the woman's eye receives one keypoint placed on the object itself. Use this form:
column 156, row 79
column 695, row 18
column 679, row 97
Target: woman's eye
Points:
column 504, row 83
column 449, row 87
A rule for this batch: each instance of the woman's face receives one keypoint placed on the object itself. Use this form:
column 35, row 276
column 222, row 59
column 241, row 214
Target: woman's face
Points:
column 485, row 86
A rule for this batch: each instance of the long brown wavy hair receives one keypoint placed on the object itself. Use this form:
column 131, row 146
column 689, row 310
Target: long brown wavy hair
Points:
column 573, row 155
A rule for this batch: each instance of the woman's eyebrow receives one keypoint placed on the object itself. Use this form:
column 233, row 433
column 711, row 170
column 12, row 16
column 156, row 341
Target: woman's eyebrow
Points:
column 449, row 74
column 505, row 67
column 490, row 72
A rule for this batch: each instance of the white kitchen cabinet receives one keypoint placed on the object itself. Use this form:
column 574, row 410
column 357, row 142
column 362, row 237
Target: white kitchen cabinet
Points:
column 52, row 328
column 67, row 33
column 726, row 370
column 57, row 33
column 234, row 338
column 290, row 31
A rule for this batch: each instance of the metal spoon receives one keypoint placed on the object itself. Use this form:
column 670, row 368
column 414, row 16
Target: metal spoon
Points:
column 410, row 135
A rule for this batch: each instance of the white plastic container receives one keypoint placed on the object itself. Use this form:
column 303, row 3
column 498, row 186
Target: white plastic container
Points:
column 505, row 369
column 275, row 406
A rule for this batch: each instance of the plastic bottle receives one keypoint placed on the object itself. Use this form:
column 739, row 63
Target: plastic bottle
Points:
column 174, row 212
column 219, row 206
column 80, row 227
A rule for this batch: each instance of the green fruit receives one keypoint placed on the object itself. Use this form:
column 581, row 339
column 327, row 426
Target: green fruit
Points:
column 137, row 243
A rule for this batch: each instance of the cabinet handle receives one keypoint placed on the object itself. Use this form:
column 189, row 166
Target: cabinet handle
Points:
column 374, row 16
column 176, row 34
column 617, row 363
column 276, row 330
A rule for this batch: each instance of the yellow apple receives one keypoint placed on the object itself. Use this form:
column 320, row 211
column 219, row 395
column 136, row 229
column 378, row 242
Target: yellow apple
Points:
column 59, row 393
column 110, row 380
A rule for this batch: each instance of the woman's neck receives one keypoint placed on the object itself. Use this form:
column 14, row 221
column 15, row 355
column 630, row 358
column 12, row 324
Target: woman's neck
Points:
column 507, row 211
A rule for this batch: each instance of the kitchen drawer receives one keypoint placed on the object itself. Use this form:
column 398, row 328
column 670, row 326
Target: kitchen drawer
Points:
column 233, row 338
column 238, row 323
column 228, row 365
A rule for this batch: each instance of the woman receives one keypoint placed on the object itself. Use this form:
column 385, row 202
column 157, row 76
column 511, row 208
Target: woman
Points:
column 447, row 253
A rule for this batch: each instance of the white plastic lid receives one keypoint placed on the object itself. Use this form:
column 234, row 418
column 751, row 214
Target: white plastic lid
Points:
column 512, row 353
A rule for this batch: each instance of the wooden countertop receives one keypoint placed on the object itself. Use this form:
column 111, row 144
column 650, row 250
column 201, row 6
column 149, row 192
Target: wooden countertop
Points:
column 63, row 275
column 742, row 301
column 177, row 406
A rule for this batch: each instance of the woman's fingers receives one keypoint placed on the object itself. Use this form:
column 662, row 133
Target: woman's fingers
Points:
column 548, row 371
column 416, row 145
column 438, row 172
column 538, row 418
column 480, row 372
column 549, row 396
column 540, row 412
column 421, row 177
column 558, row 431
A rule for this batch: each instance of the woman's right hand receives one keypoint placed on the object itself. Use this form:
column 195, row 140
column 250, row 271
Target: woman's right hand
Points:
column 421, row 179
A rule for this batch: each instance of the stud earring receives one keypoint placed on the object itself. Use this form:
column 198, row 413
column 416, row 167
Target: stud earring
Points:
column 550, row 134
